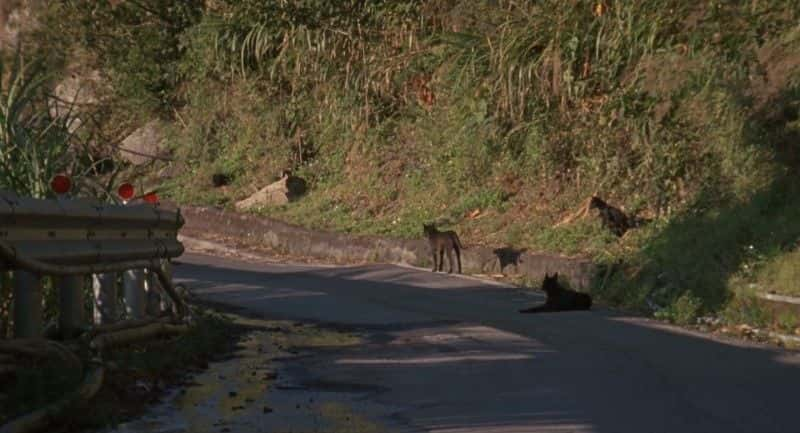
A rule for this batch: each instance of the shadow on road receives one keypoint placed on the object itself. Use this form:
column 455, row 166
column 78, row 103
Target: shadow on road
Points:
column 454, row 356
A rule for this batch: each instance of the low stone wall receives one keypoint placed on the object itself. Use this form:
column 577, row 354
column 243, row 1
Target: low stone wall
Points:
column 344, row 248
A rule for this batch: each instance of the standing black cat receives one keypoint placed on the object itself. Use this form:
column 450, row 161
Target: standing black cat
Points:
column 441, row 242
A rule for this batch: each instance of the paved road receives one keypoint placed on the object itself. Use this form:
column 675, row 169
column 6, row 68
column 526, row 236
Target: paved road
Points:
column 450, row 354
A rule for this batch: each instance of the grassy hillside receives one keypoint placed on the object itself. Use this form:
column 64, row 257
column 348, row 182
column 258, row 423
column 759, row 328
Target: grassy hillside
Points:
column 497, row 118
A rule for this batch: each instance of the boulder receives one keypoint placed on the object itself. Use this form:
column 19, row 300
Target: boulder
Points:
column 75, row 95
column 285, row 190
column 144, row 145
column 15, row 17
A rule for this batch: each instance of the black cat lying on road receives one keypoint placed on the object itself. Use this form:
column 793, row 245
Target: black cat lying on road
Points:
column 559, row 298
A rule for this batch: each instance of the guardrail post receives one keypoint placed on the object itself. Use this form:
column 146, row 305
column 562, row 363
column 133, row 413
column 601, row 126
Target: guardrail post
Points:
column 133, row 284
column 27, row 305
column 104, row 287
column 154, row 297
column 6, row 291
column 166, row 303
column 70, row 305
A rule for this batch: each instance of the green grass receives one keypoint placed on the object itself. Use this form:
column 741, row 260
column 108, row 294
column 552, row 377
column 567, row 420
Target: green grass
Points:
column 781, row 274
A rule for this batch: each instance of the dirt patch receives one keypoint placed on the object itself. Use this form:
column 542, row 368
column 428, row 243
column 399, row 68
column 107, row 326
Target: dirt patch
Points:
column 664, row 74
column 254, row 391
column 250, row 232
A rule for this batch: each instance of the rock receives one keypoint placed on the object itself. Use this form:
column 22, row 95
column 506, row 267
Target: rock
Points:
column 75, row 94
column 144, row 145
column 747, row 330
column 287, row 189
column 14, row 18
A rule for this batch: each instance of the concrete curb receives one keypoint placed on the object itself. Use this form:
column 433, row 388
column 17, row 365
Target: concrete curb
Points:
column 262, row 232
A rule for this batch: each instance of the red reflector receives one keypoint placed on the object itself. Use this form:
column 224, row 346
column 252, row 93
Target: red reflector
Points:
column 151, row 198
column 61, row 184
column 125, row 191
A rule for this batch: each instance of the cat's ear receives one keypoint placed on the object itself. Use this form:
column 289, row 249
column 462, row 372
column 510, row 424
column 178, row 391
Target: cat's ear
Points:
column 555, row 276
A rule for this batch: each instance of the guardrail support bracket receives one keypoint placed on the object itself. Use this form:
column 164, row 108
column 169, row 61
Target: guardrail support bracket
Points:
column 27, row 305
column 70, row 304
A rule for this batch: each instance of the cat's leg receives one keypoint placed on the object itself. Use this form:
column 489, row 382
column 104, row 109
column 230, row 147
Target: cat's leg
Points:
column 450, row 260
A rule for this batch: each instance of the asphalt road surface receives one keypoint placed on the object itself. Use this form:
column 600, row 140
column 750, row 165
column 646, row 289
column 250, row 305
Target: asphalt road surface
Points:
column 451, row 354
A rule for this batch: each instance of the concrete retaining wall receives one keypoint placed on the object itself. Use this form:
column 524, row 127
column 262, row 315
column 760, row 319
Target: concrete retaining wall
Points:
column 344, row 248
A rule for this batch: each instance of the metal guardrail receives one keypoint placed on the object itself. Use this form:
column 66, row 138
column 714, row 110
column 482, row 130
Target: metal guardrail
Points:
column 74, row 238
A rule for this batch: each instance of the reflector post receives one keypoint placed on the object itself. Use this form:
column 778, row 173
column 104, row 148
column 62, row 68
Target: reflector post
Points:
column 151, row 198
column 61, row 184
column 125, row 191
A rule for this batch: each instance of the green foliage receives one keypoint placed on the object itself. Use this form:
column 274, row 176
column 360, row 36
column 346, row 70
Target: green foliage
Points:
column 709, row 254
column 746, row 308
column 136, row 43
column 683, row 310
column 779, row 273
column 787, row 321
column 34, row 144
column 481, row 199
column 576, row 238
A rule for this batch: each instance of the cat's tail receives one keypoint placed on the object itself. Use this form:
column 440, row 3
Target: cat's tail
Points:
column 544, row 308
column 458, row 242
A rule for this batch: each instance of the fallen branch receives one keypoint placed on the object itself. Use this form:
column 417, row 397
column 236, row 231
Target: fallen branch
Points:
column 128, row 336
column 127, row 324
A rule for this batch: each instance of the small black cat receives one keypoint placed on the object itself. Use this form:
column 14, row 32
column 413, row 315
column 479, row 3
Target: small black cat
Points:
column 441, row 242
